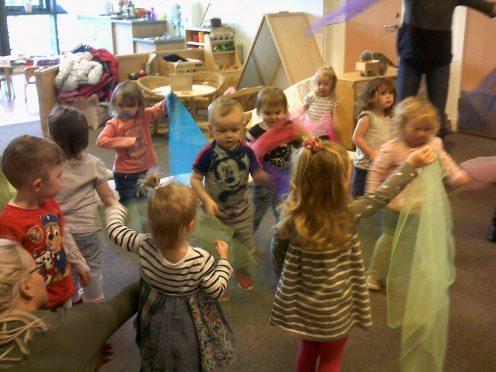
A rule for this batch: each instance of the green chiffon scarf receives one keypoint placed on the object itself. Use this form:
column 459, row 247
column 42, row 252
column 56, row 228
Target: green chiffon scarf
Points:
column 421, row 271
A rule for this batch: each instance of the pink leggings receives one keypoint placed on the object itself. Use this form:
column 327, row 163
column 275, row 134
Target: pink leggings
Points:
column 330, row 354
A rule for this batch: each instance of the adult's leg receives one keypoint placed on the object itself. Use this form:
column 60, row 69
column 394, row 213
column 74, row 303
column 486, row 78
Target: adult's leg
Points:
column 331, row 354
column 408, row 81
column 306, row 359
column 437, row 80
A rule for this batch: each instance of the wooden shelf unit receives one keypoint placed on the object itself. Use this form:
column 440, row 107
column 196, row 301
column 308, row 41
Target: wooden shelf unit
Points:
column 221, row 53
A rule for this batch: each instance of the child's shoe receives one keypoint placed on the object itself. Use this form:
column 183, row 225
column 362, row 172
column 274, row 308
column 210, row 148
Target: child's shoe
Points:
column 373, row 284
column 491, row 234
column 225, row 296
column 245, row 282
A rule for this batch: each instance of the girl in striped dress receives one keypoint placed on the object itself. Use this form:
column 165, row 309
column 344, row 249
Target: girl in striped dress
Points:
column 180, row 325
column 322, row 291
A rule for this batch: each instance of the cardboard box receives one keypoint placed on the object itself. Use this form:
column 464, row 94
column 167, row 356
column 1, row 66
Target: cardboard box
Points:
column 190, row 66
column 96, row 113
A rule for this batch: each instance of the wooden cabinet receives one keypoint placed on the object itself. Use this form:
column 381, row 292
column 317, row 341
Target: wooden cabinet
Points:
column 123, row 32
column 221, row 51
column 349, row 87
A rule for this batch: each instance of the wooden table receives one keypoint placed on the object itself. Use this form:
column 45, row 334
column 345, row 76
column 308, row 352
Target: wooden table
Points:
column 189, row 96
column 7, row 71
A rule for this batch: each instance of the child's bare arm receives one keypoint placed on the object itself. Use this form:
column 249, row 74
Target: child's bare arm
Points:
column 210, row 205
column 106, row 194
column 260, row 177
column 358, row 137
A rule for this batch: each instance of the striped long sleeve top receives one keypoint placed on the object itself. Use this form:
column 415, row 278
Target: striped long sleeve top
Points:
column 196, row 270
column 322, row 294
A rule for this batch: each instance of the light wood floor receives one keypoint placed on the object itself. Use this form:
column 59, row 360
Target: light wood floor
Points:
column 16, row 110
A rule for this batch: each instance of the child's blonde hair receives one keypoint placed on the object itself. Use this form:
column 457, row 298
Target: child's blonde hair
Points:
column 328, row 72
column 372, row 88
column 221, row 107
column 68, row 127
column 316, row 210
column 129, row 93
column 171, row 209
column 413, row 110
column 28, row 157
column 271, row 97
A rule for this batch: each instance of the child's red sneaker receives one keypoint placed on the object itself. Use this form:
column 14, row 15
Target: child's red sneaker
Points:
column 245, row 282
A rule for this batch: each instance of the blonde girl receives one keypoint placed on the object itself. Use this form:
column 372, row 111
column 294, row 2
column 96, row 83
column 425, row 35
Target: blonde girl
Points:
column 322, row 292
column 320, row 101
column 128, row 134
column 416, row 123
column 179, row 284
column 373, row 128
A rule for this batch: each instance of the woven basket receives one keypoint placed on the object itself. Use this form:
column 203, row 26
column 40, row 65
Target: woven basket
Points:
column 148, row 83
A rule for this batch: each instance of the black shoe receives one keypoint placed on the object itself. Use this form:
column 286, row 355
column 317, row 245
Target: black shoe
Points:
column 491, row 234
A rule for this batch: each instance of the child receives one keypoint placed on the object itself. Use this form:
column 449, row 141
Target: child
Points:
column 129, row 134
column 82, row 175
column 416, row 122
column 179, row 325
column 372, row 129
column 322, row 292
column 226, row 164
column 320, row 102
column 272, row 107
column 33, row 166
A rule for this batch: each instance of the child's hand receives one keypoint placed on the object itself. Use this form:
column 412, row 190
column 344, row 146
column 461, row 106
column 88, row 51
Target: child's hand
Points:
column 422, row 157
column 211, row 208
column 85, row 278
column 222, row 249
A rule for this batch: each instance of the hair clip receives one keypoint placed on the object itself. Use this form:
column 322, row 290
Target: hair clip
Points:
column 313, row 143
column 166, row 181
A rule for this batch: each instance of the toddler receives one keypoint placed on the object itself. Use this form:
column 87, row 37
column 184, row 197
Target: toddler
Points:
column 33, row 166
column 272, row 107
column 320, row 102
column 82, row 175
column 128, row 133
column 323, row 278
column 225, row 165
column 416, row 122
column 372, row 129
column 180, row 326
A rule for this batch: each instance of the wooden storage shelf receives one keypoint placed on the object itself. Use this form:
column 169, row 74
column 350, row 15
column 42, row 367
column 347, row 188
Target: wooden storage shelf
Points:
column 224, row 61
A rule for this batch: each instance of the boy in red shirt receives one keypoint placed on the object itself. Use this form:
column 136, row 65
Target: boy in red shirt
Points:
column 33, row 166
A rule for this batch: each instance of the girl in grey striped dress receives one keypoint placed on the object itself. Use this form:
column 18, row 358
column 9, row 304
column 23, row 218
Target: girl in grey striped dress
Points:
column 322, row 291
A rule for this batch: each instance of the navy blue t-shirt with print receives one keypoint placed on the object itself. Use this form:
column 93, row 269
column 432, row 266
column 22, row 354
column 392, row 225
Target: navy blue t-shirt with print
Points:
column 226, row 176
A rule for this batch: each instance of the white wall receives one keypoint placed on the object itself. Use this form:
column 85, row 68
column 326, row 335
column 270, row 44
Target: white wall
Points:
column 245, row 15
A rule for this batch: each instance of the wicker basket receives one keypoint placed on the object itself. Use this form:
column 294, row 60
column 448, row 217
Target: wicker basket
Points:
column 147, row 84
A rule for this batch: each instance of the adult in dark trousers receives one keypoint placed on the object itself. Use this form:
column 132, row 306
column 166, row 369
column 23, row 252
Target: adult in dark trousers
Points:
column 424, row 47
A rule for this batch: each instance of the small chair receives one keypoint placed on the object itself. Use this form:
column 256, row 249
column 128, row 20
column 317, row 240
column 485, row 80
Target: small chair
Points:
column 211, row 78
column 30, row 78
column 147, row 84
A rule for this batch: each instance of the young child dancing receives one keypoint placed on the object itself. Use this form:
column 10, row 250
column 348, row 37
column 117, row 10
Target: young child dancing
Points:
column 226, row 164
column 322, row 292
column 373, row 128
column 180, row 326
column 33, row 166
column 128, row 132
column 272, row 107
column 82, row 175
column 320, row 102
column 416, row 122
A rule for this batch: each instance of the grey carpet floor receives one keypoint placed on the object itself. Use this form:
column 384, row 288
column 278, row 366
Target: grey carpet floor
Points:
column 261, row 347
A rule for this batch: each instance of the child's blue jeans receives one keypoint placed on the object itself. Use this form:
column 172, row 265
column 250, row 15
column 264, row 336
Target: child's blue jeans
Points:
column 126, row 185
